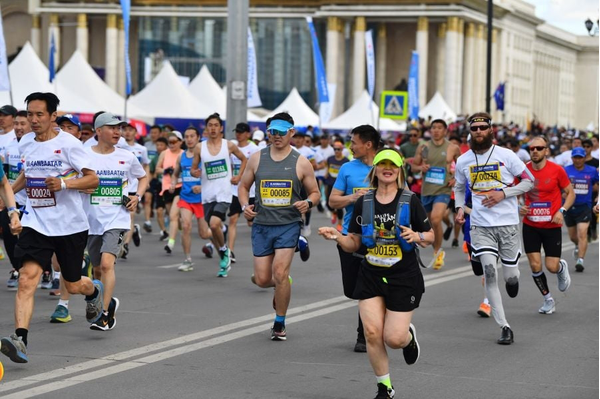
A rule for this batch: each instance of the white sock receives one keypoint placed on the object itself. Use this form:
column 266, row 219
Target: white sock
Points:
column 64, row 303
column 57, row 275
column 486, row 301
column 580, row 260
column 223, row 248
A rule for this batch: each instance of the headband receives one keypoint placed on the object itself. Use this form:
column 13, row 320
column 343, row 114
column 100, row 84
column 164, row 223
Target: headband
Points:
column 480, row 119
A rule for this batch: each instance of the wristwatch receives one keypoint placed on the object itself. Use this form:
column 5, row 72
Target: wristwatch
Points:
column 421, row 237
column 139, row 197
column 244, row 207
column 310, row 203
column 562, row 210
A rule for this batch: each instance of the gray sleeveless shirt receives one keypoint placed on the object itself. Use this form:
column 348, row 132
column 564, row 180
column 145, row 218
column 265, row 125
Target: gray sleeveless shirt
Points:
column 277, row 189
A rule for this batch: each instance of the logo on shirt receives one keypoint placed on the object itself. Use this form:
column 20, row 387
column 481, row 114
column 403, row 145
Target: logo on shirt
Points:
column 57, row 151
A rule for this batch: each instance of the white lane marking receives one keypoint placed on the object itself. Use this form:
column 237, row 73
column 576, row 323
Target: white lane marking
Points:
column 169, row 266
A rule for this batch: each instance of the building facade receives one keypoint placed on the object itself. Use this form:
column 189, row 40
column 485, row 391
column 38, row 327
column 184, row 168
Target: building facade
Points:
column 551, row 75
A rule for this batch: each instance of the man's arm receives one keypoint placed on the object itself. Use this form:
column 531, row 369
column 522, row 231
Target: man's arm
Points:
column 195, row 171
column 235, row 150
column 89, row 181
column 417, row 164
column 306, row 174
column 245, row 184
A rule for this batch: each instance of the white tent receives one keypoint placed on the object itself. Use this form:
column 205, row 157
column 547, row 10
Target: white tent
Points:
column 294, row 105
column 166, row 97
column 28, row 74
column 78, row 75
column 437, row 108
column 207, row 91
column 360, row 114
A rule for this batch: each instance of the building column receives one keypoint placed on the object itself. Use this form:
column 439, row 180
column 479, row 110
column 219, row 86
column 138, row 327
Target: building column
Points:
column 121, row 58
column 478, row 100
column 333, row 61
column 82, row 35
column 278, row 48
column 54, row 30
column 359, row 64
column 110, row 73
column 422, row 47
column 35, row 33
column 451, row 75
column 497, row 115
column 209, row 34
column 460, row 65
column 469, row 68
column 174, row 31
column 380, row 57
column 441, row 60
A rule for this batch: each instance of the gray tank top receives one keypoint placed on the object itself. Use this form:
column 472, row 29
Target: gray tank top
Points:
column 277, row 189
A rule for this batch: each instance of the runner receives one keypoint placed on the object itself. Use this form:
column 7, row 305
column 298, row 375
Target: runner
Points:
column 543, row 218
column 584, row 179
column 158, row 201
column 300, row 140
column 280, row 175
column 390, row 283
column 55, row 222
column 108, row 208
column 490, row 172
column 153, row 186
column 334, row 163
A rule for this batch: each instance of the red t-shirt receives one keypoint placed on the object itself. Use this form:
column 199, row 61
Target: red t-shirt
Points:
column 545, row 199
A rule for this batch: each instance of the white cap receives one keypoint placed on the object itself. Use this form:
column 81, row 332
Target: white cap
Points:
column 258, row 135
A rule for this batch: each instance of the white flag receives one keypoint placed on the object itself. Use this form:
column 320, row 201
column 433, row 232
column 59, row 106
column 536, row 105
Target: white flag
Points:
column 326, row 109
column 4, row 80
column 253, row 95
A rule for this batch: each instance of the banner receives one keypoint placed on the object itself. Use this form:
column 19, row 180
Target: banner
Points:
column 4, row 79
column 499, row 97
column 326, row 109
column 51, row 57
column 370, row 62
column 126, row 8
column 253, row 95
column 413, row 87
column 321, row 78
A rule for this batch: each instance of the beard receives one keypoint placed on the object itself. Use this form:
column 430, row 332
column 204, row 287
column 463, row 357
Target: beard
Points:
column 483, row 145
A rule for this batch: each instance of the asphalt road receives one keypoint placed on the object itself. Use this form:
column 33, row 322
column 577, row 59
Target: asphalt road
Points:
column 193, row 335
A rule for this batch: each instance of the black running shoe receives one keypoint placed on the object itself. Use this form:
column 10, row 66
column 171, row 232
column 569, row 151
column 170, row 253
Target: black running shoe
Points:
column 163, row 235
column 447, row 232
column 383, row 392
column 112, row 310
column 278, row 332
column 507, row 336
column 304, row 248
column 455, row 243
column 101, row 324
column 125, row 251
column 168, row 249
column 412, row 350
column 360, row 346
column 136, row 236
column 232, row 257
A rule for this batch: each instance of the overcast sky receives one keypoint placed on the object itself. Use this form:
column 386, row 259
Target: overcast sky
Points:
column 569, row 15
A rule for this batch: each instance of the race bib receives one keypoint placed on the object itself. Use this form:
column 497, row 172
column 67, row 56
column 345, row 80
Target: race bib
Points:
column 581, row 186
column 355, row 189
column 436, row 175
column 539, row 212
column 333, row 170
column 236, row 168
column 276, row 192
column 384, row 255
column 216, row 169
column 485, row 177
column 13, row 172
column 38, row 193
column 108, row 193
column 186, row 177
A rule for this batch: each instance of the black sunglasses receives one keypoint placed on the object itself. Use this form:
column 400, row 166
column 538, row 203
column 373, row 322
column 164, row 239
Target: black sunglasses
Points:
column 537, row 148
column 338, row 149
column 481, row 127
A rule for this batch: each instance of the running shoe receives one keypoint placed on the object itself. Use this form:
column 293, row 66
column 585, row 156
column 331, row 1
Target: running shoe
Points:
column 186, row 266
column 455, row 243
column 101, row 324
column 168, row 249
column 383, row 392
column 112, row 310
column 148, row 227
column 506, row 337
column 208, row 250
column 564, row 279
column 163, row 235
column 225, row 232
column 14, row 347
column 579, row 266
column 512, row 289
column 137, row 235
column 86, row 265
column 94, row 307
column 46, row 281
column 465, row 247
column 485, row 310
column 278, row 332
column 334, row 219
column 412, row 350
column 548, row 307
column 13, row 280
column 304, row 248
column 438, row 259
column 60, row 315
column 448, row 231
column 233, row 260
column 55, row 283
column 360, row 346
column 224, row 272
column 225, row 262
column 339, row 228
column 124, row 251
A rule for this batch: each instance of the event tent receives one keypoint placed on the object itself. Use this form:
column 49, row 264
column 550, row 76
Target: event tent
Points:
column 294, row 104
column 360, row 114
column 437, row 108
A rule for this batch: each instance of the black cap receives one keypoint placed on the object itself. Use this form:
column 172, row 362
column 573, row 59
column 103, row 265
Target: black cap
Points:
column 242, row 127
column 8, row 110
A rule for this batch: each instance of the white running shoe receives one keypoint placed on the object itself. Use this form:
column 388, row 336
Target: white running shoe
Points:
column 548, row 307
column 564, row 279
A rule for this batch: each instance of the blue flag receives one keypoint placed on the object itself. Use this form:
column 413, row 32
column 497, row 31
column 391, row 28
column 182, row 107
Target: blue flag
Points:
column 319, row 66
column 51, row 65
column 413, row 87
column 126, row 8
column 499, row 97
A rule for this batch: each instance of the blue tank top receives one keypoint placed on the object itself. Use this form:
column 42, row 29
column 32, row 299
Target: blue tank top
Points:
column 189, row 181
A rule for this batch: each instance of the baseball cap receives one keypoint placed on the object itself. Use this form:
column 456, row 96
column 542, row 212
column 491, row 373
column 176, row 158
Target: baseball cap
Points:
column 107, row 119
column 242, row 127
column 176, row 134
column 8, row 110
column 578, row 152
column 69, row 117
column 258, row 135
column 388, row 154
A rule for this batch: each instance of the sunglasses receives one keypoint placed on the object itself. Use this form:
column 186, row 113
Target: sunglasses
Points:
column 338, row 149
column 482, row 128
column 173, row 141
column 537, row 148
column 277, row 132
column 414, row 135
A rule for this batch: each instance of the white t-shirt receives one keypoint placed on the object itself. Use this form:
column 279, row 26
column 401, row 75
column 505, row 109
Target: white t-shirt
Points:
column 15, row 164
column 564, row 159
column 116, row 172
column 92, row 141
column 595, row 153
column 523, row 155
column 489, row 172
column 141, row 153
column 5, row 140
column 248, row 150
column 324, row 154
column 57, row 213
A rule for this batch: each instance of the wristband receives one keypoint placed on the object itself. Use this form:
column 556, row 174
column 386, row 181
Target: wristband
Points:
column 12, row 210
column 562, row 210
column 421, row 236
column 63, row 184
column 244, row 207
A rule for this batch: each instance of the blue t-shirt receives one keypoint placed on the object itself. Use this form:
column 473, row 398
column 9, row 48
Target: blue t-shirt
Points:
column 352, row 177
column 583, row 182
column 188, row 181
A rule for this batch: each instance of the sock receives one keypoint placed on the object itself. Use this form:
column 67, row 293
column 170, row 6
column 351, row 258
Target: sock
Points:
column 188, row 257
column 171, row 242
column 561, row 269
column 57, row 275
column 486, row 301
column 93, row 296
column 64, row 303
column 223, row 248
column 22, row 332
column 580, row 261
column 224, row 228
column 279, row 319
column 548, row 296
column 385, row 380
column 541, row 282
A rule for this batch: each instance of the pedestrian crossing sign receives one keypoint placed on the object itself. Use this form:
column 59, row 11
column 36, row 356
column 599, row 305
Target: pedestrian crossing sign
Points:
column 394, row 105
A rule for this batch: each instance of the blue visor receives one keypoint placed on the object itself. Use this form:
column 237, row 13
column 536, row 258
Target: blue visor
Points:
column 280, row 125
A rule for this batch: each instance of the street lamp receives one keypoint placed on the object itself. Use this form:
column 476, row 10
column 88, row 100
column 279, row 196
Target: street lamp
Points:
column 589, row 25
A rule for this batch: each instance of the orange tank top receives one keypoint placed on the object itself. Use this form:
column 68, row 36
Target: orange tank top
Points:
column 169, row 162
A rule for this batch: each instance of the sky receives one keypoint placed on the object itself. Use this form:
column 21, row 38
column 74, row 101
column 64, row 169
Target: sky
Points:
column 569, row 15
